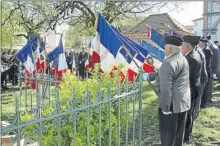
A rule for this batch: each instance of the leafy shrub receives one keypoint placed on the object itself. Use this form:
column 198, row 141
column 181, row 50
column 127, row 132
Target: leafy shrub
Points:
column 73, row 90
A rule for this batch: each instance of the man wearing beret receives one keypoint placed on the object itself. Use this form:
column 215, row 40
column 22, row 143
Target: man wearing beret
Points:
column 195, row 68
column 208, row 55
column 173, row 90
column 215, row 61
column 203, row 80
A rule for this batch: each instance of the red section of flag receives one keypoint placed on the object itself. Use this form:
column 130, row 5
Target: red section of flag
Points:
column 149, row 32
column 31, row 79
column 122, row 76
column 131, row 75
column 41, row 66
column 95, row 59
column 147, row 68
column 58, row 74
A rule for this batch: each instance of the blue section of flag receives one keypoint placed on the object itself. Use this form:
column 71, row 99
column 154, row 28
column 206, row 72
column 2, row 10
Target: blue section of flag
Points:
column 107, row 36
column 157, row 38
column 125, row 54
column 42, row 46
column 34, row 43
column 23, row 54
column 133, row 46
column 55, row 63
column 125, row 42
column 159, row 54
column 139, row 48
column 140, row 58
column 54, row 54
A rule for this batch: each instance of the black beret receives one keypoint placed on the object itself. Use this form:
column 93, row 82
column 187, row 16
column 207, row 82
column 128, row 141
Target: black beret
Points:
column 203, row 39
column 173, row 40
column 216, row 42
column 191, row 39
column 209, row 37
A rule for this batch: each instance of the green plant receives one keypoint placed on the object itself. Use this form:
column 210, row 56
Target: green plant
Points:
column 99, row 82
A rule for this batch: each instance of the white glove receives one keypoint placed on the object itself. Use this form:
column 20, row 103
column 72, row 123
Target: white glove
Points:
column 214, row 76
column 166, row 113
column 146, row 76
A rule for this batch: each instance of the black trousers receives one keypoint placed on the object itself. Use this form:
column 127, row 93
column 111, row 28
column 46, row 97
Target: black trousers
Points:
column 172, row 128
column 207, row 93
column 190, row 121
column 198, row 100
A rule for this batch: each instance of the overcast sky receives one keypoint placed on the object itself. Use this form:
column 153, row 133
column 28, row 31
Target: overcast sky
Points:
column 191, row 11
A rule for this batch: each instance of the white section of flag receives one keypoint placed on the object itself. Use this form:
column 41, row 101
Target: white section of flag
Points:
column 106, row 58
column 119, row 59
column 29, row 65
column 133, row 66
column 62, row 65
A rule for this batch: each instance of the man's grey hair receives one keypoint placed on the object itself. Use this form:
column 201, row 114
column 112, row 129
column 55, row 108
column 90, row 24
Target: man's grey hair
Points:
column 173, row 48
column 189, row 45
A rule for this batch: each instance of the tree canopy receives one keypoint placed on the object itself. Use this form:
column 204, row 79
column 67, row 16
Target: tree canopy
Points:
column 28, row 18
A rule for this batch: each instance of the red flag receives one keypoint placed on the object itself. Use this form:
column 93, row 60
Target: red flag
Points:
column 131, row 75
column 149, row 32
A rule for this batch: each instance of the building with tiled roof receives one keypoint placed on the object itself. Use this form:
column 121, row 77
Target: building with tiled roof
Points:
column 160, row 22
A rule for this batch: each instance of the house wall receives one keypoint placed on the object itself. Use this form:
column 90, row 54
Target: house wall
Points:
column 210, row 23
column 214, row 20
column 198, row 27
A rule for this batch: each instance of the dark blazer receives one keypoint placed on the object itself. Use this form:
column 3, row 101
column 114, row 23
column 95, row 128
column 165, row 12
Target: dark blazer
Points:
column 195, row 69
column 208, row 57
column 204, row 74
column 215, row 58
column 83, row 56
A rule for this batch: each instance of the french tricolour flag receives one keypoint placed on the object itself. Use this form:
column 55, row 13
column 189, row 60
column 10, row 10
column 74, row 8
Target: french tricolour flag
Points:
column 138, row 59
column 142, row 54
column 59, row 61
column 157, row 38
column 108, row 44
column 157, row 55
column 132, row 65
column 26, row 57
column 95, row 45
column 42, row 59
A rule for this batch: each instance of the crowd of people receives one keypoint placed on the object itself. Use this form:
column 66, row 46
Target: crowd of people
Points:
column 9, row 69
column 77, row 62
column 184, row 85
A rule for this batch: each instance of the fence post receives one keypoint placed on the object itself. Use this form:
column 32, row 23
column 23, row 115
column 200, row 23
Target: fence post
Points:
column 140, row 107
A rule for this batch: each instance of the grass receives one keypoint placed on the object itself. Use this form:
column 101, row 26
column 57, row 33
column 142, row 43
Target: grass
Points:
column 206, row 130
column 27, row 100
